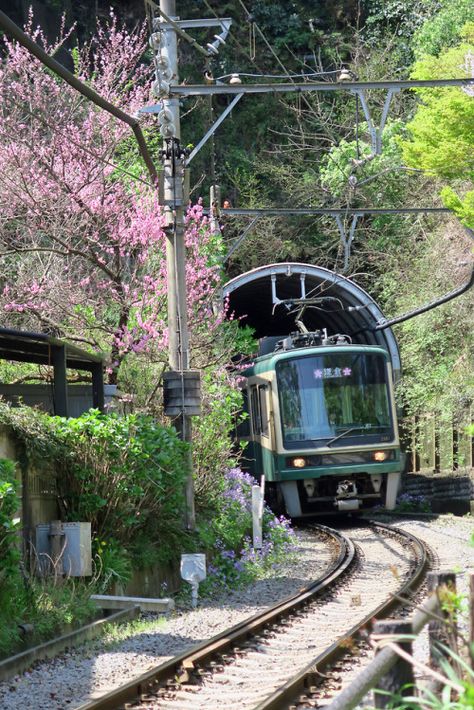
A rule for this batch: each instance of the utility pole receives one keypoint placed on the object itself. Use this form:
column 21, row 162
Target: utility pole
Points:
column 182, row 393
column 177, row 381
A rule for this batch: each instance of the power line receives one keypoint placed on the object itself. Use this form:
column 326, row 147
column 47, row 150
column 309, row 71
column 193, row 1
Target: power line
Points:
column 262, row 35
column 234, row 39
column 281, row 76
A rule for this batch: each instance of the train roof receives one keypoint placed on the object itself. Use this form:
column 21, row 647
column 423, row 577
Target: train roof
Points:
column 256, row 298
column 268, row 362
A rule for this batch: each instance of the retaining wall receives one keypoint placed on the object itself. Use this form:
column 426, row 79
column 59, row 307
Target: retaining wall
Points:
column 451, row 492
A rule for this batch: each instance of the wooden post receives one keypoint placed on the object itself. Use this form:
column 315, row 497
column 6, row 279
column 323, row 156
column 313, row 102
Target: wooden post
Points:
column 60, row 380
column 455, row 448
column 399, row 679
column 471, row 619
column 98, row 387
column 56, row 534
column 437, row 444
column 440, row 632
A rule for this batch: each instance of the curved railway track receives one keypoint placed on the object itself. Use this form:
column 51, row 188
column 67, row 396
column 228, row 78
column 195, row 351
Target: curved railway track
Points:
column 279, row 657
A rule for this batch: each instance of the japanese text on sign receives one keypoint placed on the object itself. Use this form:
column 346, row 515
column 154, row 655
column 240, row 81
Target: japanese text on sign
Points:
column 327, row 373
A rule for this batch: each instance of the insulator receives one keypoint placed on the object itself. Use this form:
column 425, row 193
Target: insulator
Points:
column 167, row 126
column 162, row 61
column 161, row 88
column 155, row 41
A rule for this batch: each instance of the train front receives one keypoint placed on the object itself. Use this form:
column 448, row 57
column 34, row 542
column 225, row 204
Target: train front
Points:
column 337, row 445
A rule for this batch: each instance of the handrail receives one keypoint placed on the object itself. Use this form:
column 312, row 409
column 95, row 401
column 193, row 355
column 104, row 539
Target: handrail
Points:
column 383, row 662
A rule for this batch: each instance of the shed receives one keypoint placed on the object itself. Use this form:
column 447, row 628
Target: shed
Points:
column 44, row 349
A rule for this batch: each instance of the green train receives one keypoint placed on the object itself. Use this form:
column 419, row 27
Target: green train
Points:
column 322, row 425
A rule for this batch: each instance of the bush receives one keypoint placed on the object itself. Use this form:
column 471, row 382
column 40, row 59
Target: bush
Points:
column 228, row 534
column 408, row 503
column 12, row 600
column 9, row 506
column 124, row 474
column 51, row 609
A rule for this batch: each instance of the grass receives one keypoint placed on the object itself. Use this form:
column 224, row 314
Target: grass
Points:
column 50, row 608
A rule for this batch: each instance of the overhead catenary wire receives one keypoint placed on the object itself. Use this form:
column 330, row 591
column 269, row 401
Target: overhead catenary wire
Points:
column 295, row 75
column 14, row 31
column 287, row 73
column 262, row 35
column 234, row 39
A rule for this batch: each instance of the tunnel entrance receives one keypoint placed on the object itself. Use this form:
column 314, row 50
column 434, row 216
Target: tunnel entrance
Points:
column 256, row 298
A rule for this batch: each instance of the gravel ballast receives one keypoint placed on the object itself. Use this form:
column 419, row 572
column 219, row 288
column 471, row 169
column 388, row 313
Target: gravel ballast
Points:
column 80, row 675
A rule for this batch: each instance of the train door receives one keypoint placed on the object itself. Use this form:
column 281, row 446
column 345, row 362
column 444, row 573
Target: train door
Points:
column 261, row 429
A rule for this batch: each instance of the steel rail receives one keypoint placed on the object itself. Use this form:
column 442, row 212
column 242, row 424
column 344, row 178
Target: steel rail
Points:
column 184, row 664
column 311, row 675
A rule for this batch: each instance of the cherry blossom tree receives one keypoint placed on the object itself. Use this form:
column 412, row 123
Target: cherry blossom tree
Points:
column 82, row 243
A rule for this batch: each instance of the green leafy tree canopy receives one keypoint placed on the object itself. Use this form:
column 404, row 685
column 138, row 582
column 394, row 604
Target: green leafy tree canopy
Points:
column 442, row 130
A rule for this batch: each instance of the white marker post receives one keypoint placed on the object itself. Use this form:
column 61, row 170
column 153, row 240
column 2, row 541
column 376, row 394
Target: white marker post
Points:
column 257, row 513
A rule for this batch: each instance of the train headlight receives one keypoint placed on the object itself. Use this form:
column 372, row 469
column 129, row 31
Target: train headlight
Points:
column 380, row 456
column 298, row 462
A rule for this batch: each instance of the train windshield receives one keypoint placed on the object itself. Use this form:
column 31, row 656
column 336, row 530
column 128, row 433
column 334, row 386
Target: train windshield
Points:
column 334, row 399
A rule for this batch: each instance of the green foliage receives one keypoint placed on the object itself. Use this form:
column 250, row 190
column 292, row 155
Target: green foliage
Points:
column 434, row 353
column 212, row 444
column 114, row 564
column 128, row 158
column 397, row 22
column 60, row 606
column 50, row 608
column 338, row 165
column 442, row 29
column 9, row 506
column 456, row 694
column 10, row 602
column 125, row 475
column 228, row 531
column 442, row 129
column 457, row 687
column 407, row 503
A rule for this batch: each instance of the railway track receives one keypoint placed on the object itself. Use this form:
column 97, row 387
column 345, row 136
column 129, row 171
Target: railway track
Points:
column 279, row 657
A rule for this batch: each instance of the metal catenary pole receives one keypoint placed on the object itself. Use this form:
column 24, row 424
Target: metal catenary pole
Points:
column 173, row 169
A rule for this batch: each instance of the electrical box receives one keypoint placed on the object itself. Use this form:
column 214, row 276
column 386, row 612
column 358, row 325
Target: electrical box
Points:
column 72, row 541
column 182, row 392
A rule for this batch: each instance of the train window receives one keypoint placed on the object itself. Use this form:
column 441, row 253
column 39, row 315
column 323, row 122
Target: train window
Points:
column 342, row 396
column 243, row 425
column 255, row 410
column 262, row 390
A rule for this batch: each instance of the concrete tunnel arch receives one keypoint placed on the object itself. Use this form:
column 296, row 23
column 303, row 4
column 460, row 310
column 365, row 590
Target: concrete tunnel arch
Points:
column 254, row 298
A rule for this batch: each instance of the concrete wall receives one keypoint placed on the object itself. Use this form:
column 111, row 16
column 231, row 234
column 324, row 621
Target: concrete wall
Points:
column 42, row 397
column 39, row 503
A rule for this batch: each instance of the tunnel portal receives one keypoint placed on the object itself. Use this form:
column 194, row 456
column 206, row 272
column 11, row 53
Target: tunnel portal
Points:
column 255, row 297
